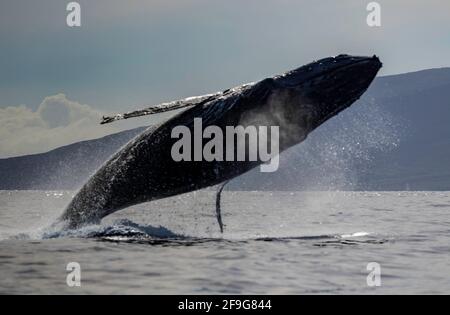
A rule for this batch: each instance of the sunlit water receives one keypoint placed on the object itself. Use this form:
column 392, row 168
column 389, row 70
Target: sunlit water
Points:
column 274, row 242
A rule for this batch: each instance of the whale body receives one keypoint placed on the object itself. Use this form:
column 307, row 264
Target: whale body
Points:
column 297, row 101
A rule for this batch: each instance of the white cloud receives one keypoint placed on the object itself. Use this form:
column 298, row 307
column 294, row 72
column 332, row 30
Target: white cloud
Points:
column 58, row 121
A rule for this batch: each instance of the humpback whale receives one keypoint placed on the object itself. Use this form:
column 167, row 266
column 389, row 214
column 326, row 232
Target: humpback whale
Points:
column 297, row 101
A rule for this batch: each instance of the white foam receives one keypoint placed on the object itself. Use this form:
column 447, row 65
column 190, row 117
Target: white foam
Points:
column 356, row 234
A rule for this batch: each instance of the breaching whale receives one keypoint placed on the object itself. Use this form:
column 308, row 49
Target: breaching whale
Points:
column 297, row 101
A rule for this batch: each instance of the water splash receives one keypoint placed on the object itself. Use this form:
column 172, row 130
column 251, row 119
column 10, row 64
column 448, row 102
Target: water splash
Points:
column 120, row 228
column 335, row 154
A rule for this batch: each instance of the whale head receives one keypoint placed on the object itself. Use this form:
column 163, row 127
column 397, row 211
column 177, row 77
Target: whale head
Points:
column 304, row 98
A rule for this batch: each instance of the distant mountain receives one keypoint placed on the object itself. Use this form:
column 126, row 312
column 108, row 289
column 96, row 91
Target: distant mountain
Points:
column 66, row 167
column 397, row 137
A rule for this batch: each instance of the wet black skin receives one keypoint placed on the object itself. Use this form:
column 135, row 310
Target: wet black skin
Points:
column 298, row 102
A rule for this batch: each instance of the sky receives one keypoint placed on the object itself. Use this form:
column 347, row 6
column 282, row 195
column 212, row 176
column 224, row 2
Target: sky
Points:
column 56, row 81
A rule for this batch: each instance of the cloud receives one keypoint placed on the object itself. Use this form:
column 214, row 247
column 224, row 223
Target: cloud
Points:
column 57, row 121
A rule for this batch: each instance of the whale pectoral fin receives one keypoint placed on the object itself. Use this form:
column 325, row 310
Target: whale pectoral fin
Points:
column 161, row 108
column 143, row 112
column 218, row 210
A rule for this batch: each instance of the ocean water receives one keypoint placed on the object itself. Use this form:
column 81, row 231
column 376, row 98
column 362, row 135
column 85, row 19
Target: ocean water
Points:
column 273, row 243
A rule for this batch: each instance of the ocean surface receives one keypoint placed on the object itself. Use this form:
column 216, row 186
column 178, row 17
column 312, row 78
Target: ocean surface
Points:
column 273, row 243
